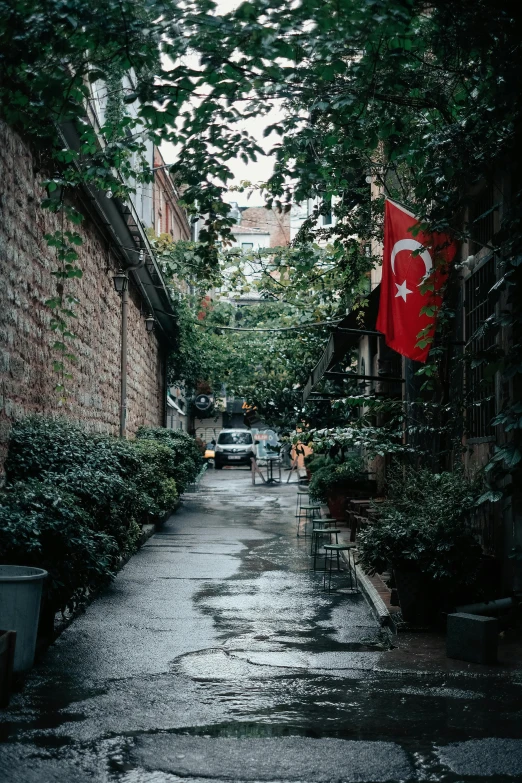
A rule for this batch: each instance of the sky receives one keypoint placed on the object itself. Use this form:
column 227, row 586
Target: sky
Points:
column 253, row 172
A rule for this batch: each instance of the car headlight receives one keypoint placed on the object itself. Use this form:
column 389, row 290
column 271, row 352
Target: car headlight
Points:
column 217, row 448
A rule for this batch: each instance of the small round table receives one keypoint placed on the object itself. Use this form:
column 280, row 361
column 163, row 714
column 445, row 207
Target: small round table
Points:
column 317, row 532
column 302, row 494
column 311, row 512
column 322, row 522
column 270, row 462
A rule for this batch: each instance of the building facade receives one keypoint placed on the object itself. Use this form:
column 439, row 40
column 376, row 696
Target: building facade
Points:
column 114, row 238
column 259, row 227
column 168, row 217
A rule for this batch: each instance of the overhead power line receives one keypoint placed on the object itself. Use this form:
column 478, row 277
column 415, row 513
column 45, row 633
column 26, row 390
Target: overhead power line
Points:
column 272, row 329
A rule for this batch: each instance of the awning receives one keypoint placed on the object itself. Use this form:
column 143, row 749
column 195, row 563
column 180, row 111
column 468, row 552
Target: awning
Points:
column 346, row 334
column 171, row 403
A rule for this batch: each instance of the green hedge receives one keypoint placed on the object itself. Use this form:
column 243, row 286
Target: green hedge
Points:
column 329, row 475
column 425, row 523
column 185, row 451
column 75, row 501
column 45, row 527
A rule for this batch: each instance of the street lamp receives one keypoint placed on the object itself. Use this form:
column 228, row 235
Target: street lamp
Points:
column 121, row 281
column 149, row 323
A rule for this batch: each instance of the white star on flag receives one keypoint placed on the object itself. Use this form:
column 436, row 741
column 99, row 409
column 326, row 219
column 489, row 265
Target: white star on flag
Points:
column 402, row 290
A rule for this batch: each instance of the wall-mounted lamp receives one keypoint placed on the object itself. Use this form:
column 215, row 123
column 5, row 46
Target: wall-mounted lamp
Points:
column 121, row 281
column 149, row 323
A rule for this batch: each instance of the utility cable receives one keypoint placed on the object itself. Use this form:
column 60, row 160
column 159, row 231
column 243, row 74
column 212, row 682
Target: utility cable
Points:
column 272, row 329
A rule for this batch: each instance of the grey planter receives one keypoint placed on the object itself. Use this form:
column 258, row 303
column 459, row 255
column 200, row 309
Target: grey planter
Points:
column 7, row 648
column 20, row 595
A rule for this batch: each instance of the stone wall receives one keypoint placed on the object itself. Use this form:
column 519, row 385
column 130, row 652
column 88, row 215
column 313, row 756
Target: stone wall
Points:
column 27, row 381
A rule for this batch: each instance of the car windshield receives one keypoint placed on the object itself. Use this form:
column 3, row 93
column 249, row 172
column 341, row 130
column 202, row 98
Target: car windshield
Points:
column 228, row 438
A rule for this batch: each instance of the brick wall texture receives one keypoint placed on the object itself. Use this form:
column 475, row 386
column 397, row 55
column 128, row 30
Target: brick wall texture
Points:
column 277, row 223
column 27, row 381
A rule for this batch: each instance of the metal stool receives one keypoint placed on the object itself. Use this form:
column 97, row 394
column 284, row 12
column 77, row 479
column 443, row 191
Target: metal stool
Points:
column 336, row 549
column 317, row 532
column 302, row 493
column 321, row 522
column 311, row 512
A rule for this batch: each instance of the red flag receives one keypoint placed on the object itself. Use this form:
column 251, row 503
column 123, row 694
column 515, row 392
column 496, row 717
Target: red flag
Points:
column 401, row 299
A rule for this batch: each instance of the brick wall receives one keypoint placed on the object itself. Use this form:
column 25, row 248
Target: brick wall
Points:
column 277, row 223
column 26, row 378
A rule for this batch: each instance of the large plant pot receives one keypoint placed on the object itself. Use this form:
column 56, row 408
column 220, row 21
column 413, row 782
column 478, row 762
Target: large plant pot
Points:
column 416, row 596
column 337, row 503
column 20, row 595
column 7, row 648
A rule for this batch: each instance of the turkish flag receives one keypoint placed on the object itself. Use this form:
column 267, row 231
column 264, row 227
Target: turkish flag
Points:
column 401, row 300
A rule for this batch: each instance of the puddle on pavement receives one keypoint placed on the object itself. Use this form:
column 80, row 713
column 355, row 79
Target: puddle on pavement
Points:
column 240, row 730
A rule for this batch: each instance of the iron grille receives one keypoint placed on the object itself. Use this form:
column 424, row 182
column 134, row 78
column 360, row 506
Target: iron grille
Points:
column 480, row 392
column 482, row 219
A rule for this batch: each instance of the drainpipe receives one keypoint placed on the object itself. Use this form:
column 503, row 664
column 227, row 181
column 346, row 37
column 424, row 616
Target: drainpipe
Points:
column 121, row 284
column 123, row 371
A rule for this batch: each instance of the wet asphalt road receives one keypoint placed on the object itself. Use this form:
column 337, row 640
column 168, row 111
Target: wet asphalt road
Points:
column 216, row 656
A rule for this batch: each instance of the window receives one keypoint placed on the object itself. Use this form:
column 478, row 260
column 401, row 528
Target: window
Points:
column 482, row 219
column 327, row 212
column 247, row 245
column 236, row 438
column 480, row 391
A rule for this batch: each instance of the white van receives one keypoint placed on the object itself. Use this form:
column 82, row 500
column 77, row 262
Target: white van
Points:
column 234, row 447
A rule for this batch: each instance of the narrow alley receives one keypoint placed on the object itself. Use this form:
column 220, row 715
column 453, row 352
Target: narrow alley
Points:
column 217, row 655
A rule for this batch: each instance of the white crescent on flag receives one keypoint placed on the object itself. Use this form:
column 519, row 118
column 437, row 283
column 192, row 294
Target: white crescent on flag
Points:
column 411, row 244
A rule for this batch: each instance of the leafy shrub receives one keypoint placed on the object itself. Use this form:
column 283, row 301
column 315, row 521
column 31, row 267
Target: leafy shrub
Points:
column 332, row 476
column 188, row 460
column 39, row 445
column 156, row 479
column 75, row 500
column 114, row 505
column 43, row 526
column 425, row 524
column 315, row 462
column 131, row 475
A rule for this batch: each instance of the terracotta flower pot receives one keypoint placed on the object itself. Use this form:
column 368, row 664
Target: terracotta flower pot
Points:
column 337, row 503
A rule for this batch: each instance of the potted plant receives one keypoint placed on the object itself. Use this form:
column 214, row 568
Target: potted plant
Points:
column 333, row 481
column 423, row 530
column 313, row 463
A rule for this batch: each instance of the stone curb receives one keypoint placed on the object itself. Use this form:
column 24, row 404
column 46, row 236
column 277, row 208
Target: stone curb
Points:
column 146, row 532
column 377, row 605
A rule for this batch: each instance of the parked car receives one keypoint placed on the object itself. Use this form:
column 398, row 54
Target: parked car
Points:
column 234, row 447
column 210, row 452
